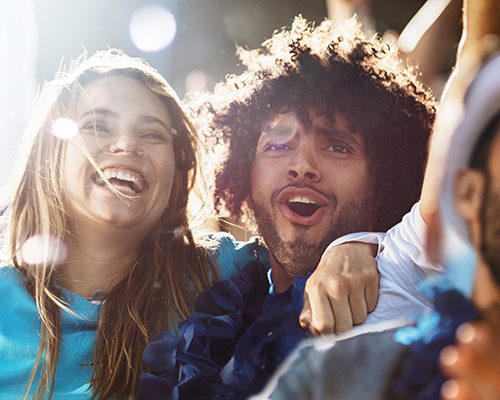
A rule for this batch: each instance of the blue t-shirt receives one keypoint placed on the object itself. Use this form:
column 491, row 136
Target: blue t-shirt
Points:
column 20, row 338
column 20, row 325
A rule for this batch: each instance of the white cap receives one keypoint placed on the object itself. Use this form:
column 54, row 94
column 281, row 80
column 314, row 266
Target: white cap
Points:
column 481, row 105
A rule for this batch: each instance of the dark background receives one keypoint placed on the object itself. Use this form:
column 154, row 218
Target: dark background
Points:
column 207, row 32
column 36, row 36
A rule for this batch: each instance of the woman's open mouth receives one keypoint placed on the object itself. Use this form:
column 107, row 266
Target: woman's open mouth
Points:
column 123, row 180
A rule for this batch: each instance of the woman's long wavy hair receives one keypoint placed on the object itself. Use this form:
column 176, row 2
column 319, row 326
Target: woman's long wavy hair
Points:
column 169, row 268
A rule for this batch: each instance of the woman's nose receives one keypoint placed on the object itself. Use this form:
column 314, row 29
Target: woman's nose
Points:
column 125, row 143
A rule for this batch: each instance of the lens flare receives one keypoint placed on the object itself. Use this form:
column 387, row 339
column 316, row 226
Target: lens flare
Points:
column 197, row 81
column 64, row 128
column 41, row 249
column 152, row 28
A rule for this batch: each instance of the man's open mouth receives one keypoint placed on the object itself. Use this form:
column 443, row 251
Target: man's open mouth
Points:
column 303, row 206
column 125, row 181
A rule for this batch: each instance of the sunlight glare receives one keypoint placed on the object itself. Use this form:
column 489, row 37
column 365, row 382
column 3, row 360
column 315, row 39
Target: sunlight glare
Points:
column 152, row 28
column 65, row 128
column 39, row 249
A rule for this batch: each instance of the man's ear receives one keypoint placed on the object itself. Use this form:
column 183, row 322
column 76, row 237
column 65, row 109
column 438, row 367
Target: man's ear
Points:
column 469, row 192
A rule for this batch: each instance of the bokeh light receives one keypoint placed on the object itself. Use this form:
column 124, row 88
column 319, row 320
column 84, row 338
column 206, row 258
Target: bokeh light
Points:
column 152, row 28
column 65, row 128
column 197, row 81
column 39, row 249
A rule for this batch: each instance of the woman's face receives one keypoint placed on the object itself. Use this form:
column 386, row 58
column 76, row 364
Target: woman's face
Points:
column 127, row 131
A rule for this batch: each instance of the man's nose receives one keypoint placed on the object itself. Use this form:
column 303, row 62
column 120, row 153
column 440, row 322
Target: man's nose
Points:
column 303, row 166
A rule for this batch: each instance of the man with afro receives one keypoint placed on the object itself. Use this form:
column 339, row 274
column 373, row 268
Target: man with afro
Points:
column 327, row 134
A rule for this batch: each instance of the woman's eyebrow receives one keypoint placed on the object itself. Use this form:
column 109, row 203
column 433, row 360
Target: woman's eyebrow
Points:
column 151, row 119
column 102, row 111
column 110, row 113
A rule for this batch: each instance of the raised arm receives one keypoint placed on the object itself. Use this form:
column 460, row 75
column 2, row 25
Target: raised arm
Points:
column 481, row 27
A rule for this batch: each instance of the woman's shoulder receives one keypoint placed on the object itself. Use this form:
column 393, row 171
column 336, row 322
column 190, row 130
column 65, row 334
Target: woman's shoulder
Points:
column 10, row 274
column 12, row 284
column 16, row 303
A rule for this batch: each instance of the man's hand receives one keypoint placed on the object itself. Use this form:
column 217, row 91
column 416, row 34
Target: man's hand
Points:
column 473, row 364
column 342, row 289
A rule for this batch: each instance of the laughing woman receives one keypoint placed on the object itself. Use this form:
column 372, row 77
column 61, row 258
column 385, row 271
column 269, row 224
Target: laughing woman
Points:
column 100, row 257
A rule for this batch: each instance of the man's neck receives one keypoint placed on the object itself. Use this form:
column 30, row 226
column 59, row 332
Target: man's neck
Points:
column 282, row 280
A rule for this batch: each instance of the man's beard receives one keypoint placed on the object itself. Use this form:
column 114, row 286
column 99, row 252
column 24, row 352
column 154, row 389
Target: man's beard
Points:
column 490, row 246
column 300, row 257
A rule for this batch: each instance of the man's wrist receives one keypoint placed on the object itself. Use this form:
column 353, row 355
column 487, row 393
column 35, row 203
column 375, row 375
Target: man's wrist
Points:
column 375, row 238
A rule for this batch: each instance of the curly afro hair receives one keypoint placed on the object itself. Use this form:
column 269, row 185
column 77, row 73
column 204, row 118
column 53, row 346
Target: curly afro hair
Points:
column 331, row 69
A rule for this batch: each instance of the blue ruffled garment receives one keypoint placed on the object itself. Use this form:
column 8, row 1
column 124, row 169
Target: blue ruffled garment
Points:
column 421, row 377
column 231, row 345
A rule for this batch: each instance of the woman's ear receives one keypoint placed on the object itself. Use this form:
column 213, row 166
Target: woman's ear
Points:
column 469, row 192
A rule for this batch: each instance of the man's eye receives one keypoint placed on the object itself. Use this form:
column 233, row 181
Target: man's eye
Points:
column 339, row 148
column 276, row 147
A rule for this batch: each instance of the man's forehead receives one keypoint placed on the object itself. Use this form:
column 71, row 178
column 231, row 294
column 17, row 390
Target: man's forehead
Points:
column 309, row 121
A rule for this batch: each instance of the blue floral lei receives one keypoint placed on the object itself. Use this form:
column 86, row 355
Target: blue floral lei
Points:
column 231, row 345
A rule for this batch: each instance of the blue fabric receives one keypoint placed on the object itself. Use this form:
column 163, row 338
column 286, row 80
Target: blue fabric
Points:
column 19, row 340
column 231, row 345
column 20, row 326
column 231, row 256
column 421, row 377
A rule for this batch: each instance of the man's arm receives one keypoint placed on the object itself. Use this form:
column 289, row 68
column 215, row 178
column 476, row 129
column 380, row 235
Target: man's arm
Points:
column 480, row 32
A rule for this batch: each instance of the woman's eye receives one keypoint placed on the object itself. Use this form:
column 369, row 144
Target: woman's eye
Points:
column 96, row 127
column 154, row 136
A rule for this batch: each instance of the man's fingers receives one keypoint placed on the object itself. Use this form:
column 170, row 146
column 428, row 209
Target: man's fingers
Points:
column 358, row 307
column 459, row 390
column 305, row 318
column 342, row 314
column 473, row 371
column 322, row 317
column 371, row 296
column 477, row 352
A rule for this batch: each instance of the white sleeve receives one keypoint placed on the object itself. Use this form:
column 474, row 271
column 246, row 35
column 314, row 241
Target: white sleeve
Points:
column 404, row 244
column 376, row 238
column 402, row 266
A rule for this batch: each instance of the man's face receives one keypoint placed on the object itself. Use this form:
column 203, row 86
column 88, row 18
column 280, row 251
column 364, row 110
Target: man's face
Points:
column 490, row 218
column 309, row 184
